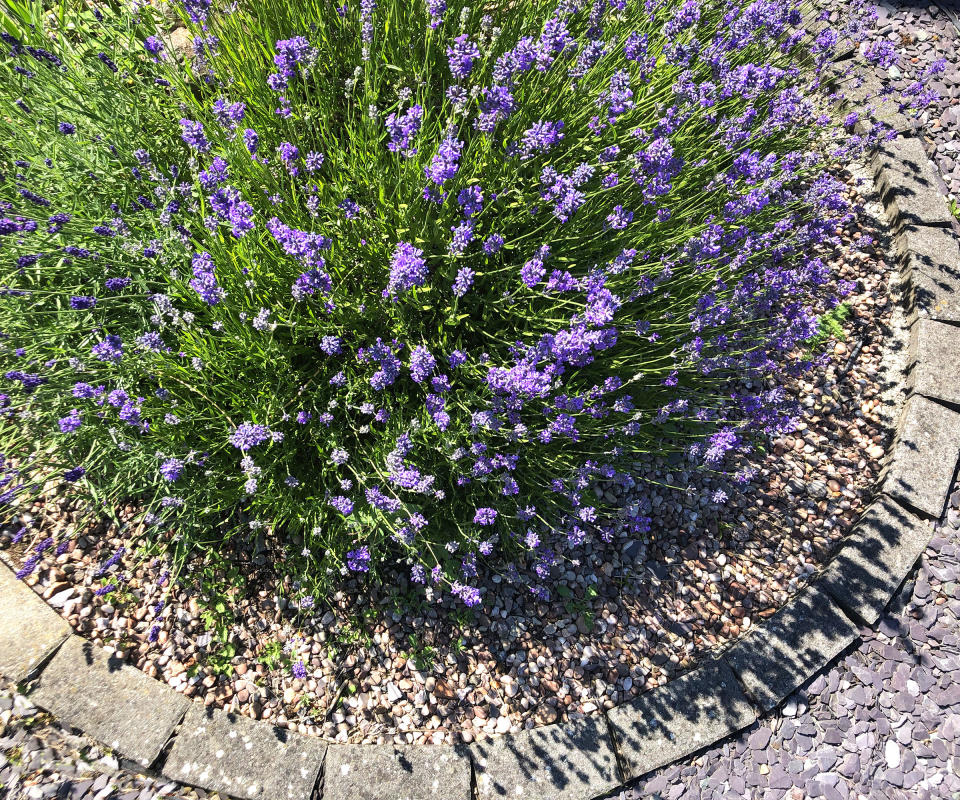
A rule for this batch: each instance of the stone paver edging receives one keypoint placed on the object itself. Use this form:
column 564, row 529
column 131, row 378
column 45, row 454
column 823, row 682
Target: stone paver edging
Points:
column 145, row 721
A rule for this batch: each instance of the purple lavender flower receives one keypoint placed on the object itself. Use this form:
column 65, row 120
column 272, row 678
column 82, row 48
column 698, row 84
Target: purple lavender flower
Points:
column 289, row 155
column 367, row 7
column 75, row 474
column 540, row 137
column 463, row 282
column 215, row 175
column 470, row 200
column 461, row 55
column 248, row 435
column 67, row 128
column 29, row 566
column 349, row 207
column 492, row 244
column 204, row 282
column 299, row 671
column 82, row 302
column 619, row 219
column 497, row 105
column 305, row 247
column 116, row 284
column 291, row 53
column 443, row 166
column 562, row 191
column 110, row 349
column 619, row 97
column 436, row 9
column 533, row 270
column 308, row 283
column 462, row 236
column 485, row 516
column 70, row 423
column 882, row 53
column 342, row 504
column 171, row 469
column 359, row 560
column 468, row 594
column 251, row 140
column 229, row 115
column 194, row 136
column 408, row 268
column 422, row 364
column 153, row 45
column 403, row 129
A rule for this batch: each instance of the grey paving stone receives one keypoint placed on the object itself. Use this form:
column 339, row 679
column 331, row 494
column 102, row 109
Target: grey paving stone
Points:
column 924, row 455
column 109, row 700
column 687, row 714
column 372, row 772
column 862, row 92
column 241, row 757
column 29, row 628
column 789, row 647
column 934, row 360
column 574, row 761
column 875, row 558
column 909, row 185
column 931, row 266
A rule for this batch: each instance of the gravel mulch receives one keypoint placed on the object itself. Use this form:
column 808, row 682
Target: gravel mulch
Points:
column 884, row 722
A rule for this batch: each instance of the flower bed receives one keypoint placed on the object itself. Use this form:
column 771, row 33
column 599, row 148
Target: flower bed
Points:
column 411, row 296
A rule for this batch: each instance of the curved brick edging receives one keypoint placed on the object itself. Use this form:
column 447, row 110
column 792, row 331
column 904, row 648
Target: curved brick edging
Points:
column 147, row 722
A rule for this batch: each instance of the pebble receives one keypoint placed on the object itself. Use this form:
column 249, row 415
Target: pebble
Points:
column 891, row 753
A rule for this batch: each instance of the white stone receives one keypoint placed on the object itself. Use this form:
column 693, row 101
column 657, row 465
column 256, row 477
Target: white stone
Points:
column 892, row 753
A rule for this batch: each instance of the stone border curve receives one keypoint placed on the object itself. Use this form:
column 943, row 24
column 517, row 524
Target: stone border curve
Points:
column 154, row 728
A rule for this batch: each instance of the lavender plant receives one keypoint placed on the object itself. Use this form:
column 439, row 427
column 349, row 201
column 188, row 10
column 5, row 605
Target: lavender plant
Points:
column 396, row 283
